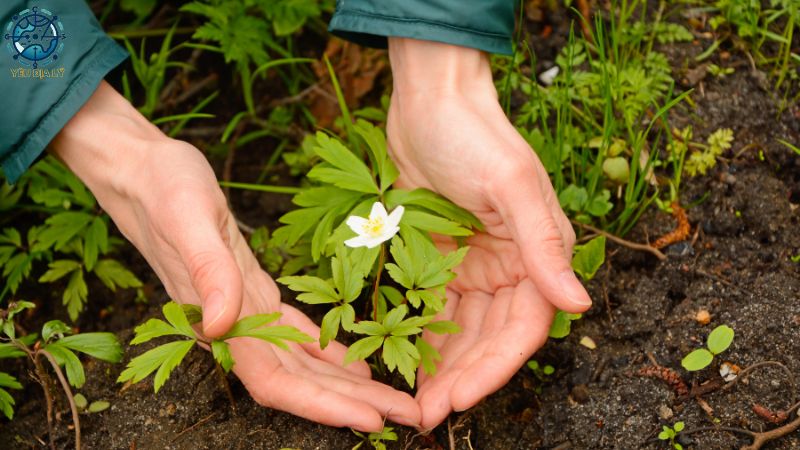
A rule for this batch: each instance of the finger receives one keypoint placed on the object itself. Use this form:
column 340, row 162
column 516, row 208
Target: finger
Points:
column 525, row 331
column 334, row 353
column 523, row 206
column 214, row 273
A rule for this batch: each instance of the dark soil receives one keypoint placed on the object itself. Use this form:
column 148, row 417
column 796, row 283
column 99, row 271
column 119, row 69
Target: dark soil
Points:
column 736, row 265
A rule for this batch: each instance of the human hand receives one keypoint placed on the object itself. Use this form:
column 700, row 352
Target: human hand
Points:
column 447, row 132
column 163, row 196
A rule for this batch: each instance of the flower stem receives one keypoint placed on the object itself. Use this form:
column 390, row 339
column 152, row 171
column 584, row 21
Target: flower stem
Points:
column 381, row 261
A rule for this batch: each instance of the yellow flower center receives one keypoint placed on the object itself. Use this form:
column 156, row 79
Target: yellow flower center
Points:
column 374, row 227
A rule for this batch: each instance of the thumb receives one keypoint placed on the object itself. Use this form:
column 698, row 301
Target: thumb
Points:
column 548, row 263
column 215, row 276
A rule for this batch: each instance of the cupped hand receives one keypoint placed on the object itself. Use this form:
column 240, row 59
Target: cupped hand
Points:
column 163, row 196
column 447, row 132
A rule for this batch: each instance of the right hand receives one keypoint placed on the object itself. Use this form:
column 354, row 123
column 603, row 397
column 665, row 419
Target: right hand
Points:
column 163, row 196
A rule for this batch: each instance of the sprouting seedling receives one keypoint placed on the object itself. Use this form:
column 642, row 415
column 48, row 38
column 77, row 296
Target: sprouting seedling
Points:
column 718, row 341
column 670, row 433
column 166, row 357
column 376, row 439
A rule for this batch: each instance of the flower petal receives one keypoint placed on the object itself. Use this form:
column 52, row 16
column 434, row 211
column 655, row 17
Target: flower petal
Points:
column 356, row 224
column 394, row 218
column 378, row 210
column 358, row 241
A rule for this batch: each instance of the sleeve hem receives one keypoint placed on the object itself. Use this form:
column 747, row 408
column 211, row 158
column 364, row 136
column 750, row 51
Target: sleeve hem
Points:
column 77, row 94
column 372, row 30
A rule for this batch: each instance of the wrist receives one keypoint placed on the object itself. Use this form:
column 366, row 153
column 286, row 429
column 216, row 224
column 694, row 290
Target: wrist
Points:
column 106, row 143
column 426, row 68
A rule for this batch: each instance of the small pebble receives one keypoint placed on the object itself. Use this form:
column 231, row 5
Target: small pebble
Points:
column 588, row 342
column 665, row 412
column 703, row 317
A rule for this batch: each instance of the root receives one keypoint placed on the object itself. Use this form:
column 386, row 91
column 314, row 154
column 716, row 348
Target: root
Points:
column 681, row 231
column 622, row 242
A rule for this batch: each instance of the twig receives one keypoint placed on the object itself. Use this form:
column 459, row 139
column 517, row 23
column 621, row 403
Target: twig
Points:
column 44, row 380
column 68, row 392
column 623, row 242
column 192, row 427
column 746, row 372
column 759, row 439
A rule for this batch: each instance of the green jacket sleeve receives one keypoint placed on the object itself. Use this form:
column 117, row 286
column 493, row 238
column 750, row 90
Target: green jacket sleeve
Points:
column 53, row 58
column 483, row 24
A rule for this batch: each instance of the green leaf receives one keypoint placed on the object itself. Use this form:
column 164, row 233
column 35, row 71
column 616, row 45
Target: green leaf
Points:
column 433, row 224
column 141, row 8
column 66, row 358
column 250, row 323
column 343, row 168
column 61, row 228
column 433, row 203
column 54, row 327
column 222, row 354
column 59, row 268
column 399, row 353
column 75, row 294
column 348, row 280
column 80, row 401
column 96, row 242
column 177, row 318
column 589, row 257
column 9, row 381
column 678, row 427
column 720, row 339
column 17, row 268
column 152, row 329
column 253, row 326
column 369, row 327
column 443, row 327
column 697, row 360
column 8, row 350
column 562, row 323
column 114, row 275
column 11, row 236
column 314, row 290
column 193, row 313
column 99, row 406
column 164, row 358
column 362, row 348
column 392, row 294
column 428, row 356
column 439, row 271
column 330, row 325
column 376, row 145
column 100, row 345
column 664, row 436
column 6, row 401
column 394, row 317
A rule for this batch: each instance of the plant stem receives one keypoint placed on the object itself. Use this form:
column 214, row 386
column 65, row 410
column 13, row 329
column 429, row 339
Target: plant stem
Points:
column 224, row 381
column 262, row 187
column 622, row 242
column 44, row 380
column 377, row 283
column 68, row 392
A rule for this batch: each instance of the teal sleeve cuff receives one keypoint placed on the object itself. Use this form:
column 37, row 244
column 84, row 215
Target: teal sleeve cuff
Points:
column 41, row 98
column 486, row 25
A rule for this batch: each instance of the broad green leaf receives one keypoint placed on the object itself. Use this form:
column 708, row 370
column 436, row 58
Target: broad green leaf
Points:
column 254, row 326
column 434, row 224
column 164, row 358
column 177, row 318
column 439, row 271
column 369, row 327
column 678, row 427
column 600, row 205
column 589, row 257
column 222, row 354
column 697, row 360
column 59, row 268
column 432, row 300
column 298, row 223
column 330, row 326
column 562, row 323
column 100, row 345
column 414, row 298
column 80, row 401
column 75, row 294
column 443, row 327
column 411, row 326
column 394, row 317
column 399, row 353
column 399, row 275
column 114, row 275
column 720, row 339
column 65, row 357
column 54, row 327
column 392, row 294
column 349, row 280
column 98, row 406
column 362, row 348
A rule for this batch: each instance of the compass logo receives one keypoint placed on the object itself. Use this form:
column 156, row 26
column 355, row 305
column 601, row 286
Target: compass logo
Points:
column 35, row 38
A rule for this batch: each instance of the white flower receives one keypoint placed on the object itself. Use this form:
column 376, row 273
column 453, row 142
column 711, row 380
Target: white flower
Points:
column 548, row 76
column 378, row 228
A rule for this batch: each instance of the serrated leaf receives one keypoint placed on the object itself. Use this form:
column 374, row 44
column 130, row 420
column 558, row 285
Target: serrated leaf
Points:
column 54, row 327
column 164, row 358
column 697, row 360
column 720, row 339
column 95, row 242
column 222, row 354
column 394, row 317
column 58, row 269
column 432, row 300
column 177, row 318
column 114, row 275
column 250, row 323
column 428, row 356
column 6, row 404
column 443, row 327
column 75, row 294
column 66, row 358
column 434, row 224
column 254, row 326
column 344, row 169
column 401, row 354
column 152, row 329
column 9, row 381
column 315, row 290
column 369, row 327
column 411, row 326
column 439, row 271
column 61, row 228
column 16, row 269
column 11, row 236
column 362, row 348
column 376, row 145
column 100, row 345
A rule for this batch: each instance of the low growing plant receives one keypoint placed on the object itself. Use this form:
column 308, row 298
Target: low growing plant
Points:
column 670, row 433
column 718, row 341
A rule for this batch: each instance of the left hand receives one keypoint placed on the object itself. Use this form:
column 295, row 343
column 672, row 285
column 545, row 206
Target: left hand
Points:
column 447, row 132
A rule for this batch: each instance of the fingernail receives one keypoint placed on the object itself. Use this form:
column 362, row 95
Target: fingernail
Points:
column 213, row 307
column 573, row 289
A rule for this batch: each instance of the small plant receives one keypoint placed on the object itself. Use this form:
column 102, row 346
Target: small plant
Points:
column 56, row 347
column 701, row 161
column 670, row 433
column 376, row 440
column 718, row 341
column 180, row 318
column 720, row 72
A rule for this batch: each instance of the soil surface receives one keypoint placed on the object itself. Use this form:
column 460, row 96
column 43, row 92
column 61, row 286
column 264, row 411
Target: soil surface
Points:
column 736, row 265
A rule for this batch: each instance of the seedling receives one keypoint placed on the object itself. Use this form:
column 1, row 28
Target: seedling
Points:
column 376, row 440
column 586, row 260
column 180, row 318
column 57, row 346
column 718, row 341
column 670, row 433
